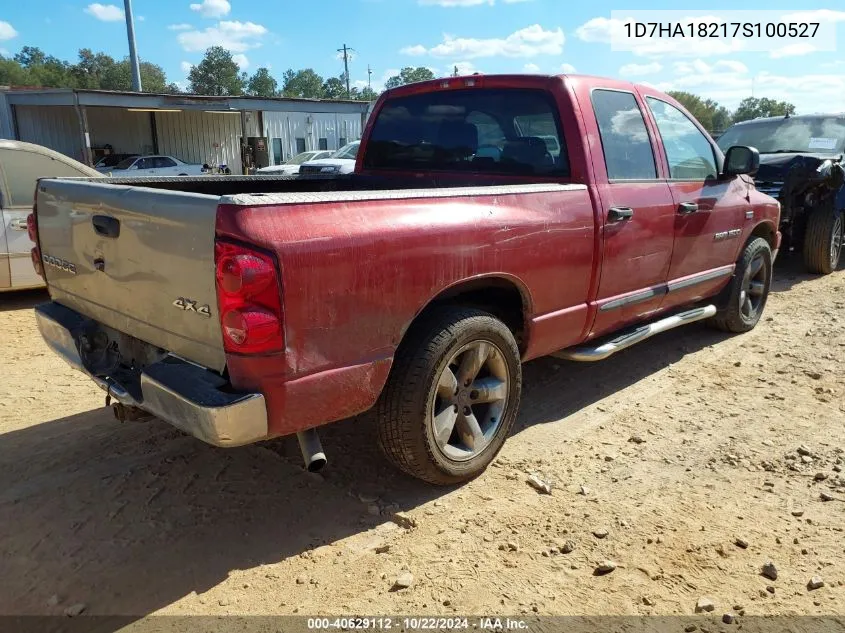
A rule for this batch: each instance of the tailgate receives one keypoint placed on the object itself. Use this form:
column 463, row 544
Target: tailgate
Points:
column 138, row 260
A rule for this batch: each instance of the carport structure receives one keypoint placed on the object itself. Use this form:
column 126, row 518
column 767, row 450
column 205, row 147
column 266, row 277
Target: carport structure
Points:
column 85, row 124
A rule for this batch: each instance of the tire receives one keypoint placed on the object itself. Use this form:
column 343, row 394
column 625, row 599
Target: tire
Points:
column 745, row 297
column 418, row 400
column 823, row 241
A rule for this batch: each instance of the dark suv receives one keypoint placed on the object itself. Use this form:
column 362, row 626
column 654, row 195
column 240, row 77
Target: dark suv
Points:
column 801, row 166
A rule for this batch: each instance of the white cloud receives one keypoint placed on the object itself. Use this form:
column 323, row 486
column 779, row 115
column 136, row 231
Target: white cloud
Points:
column 237, row 37
column 141, row 18
column 464, row 68
column 640, row 69
column 105, row 12
column 729, row 82
column 186, row 67
column 7, row 31
column 528, row 42
column 793, row 50
column 179, row 27
column 212, row 8
column 567, row 68
column 819, row 15
column 531, row 68
column 241, row 60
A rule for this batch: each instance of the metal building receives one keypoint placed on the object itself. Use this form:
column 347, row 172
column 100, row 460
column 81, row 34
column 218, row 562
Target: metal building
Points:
column 85, row 124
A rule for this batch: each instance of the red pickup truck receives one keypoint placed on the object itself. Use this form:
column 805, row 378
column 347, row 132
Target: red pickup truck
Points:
column 490, row 220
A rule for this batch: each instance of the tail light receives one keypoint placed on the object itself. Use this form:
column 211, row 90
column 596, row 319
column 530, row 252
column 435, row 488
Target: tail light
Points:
column 32, row 233
column 249, row 299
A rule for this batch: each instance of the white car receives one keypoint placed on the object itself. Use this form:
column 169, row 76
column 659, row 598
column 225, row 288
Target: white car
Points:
column 341, row 162
column 144, row 166
column 291, row 167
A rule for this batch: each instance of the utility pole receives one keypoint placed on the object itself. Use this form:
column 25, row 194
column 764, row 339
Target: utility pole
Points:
column 346, row 52
column 369, row 77
column 133, row 53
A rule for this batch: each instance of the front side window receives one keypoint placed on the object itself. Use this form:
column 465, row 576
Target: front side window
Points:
column 624, row 137
column 474, row 130
column 349, row 152
column 688, row 151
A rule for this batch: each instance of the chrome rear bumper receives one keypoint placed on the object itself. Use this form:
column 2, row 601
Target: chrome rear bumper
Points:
column 181, row 393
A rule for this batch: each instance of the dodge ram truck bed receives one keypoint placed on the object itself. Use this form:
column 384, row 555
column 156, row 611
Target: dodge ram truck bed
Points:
column 490, row 220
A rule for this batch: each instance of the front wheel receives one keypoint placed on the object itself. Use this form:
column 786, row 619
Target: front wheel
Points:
column 823, row 241
column 452, row 396
column 748, row 291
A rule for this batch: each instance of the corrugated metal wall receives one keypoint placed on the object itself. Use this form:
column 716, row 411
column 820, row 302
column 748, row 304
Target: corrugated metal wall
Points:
column 289, row 126
column 6, row 128
column 56, row 127
column 127, row 132
column 201, row 137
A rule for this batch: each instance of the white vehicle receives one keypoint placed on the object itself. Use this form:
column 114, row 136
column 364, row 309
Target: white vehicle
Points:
column 21, row 165
column 142, row 166
column 291, row 167
column 341, row 162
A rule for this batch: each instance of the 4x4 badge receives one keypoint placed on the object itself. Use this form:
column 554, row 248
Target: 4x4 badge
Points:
column 191, row 306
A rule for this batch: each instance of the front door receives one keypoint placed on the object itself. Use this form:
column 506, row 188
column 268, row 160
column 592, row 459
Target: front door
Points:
column 710, row 211
column 639, row 215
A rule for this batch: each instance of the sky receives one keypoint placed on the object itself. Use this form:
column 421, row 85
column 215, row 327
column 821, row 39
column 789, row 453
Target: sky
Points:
column 488, row 36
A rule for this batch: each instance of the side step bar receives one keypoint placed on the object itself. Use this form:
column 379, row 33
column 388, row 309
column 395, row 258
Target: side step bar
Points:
column 591, row 353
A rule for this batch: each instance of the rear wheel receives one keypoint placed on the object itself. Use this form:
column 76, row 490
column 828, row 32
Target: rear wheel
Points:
column 746, row 295
column 823, row 241
column 452, row 396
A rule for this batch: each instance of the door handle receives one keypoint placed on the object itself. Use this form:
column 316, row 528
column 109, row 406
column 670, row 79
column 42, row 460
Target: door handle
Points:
column 618, row 214
column 685, row 208
column 18, row 225
column 106, row 226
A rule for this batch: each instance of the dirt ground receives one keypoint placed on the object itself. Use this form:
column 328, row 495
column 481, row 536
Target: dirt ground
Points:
column 683, row 450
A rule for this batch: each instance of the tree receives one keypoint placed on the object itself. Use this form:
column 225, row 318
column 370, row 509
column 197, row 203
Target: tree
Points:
column 262, row 84
column 752, row 107
column 409, row 75
column 217, row 74
column 303, row 84
column 367, row 94
column 711, row 115
column 335, row 87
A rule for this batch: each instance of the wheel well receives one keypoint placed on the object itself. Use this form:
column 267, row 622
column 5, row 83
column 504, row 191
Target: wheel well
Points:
column 766, row 232
column 500, row 297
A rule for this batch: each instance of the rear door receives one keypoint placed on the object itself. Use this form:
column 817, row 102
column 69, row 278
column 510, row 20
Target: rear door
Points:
column 19, row 170
column 638, row 212
column 710, row 211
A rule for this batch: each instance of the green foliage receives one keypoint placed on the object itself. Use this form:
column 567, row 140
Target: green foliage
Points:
column 752, row 107
column 262, row 84
column 303, row 84
column 335, row 87
column 217, row 74
column 93, row 71
column 409, row 75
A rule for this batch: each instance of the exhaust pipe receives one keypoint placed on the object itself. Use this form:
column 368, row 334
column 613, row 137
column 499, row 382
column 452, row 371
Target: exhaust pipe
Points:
column 312, row 450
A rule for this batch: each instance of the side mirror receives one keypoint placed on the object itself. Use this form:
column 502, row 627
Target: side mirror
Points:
column 741, row 160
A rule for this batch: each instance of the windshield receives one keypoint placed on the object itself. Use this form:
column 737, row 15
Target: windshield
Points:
column 300, row 158
column 111, row 160
column 349, row 152
column 126, row 163
column 822, row 135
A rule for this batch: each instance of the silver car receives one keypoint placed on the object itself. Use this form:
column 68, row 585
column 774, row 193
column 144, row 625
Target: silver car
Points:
column 21, row 165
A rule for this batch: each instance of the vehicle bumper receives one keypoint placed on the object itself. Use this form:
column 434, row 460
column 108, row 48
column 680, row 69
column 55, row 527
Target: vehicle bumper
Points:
column 187, row 396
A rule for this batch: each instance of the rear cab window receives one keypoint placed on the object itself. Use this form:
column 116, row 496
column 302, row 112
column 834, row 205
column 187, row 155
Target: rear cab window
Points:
column 628, row 153
column 496, row 131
